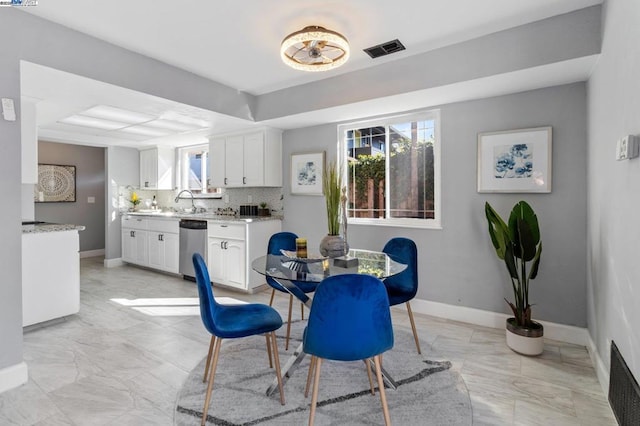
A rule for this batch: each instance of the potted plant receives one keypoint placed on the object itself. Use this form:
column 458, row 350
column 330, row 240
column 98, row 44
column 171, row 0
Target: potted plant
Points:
column 264, row 209
column 518, row 244
column 333, row 245
column 135, row 200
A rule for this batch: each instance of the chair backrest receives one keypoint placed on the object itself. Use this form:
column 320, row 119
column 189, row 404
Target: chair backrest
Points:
column 278, row 241
column 349, row 319
column 208, row 304
column 405, row 251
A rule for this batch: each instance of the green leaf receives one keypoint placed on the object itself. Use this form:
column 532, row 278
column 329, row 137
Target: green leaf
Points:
column 536, row 261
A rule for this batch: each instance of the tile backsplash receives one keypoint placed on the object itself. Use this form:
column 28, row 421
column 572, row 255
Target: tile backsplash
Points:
column 236, row 197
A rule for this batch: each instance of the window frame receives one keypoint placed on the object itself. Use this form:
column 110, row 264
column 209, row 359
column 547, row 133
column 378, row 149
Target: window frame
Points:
column 424, row 115
column 180, row 152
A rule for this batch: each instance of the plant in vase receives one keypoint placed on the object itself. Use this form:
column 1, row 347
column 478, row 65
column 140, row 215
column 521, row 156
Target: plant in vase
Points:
column 264, row 209
column 135, row 200
column 518, row 244
column 333, row 245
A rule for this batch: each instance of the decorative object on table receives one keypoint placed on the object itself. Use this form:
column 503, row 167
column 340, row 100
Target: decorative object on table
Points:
column 515, row 161
column 286, row 241
column 345, row 261
column 231, row 322
column 333, row 244
column 518, row 244
column 314, row 48
column 307, row 173
column 350, row 321
column 264, row 209
column 301, row 247
column 402, row 287
column 56, row 184
column 135, row 200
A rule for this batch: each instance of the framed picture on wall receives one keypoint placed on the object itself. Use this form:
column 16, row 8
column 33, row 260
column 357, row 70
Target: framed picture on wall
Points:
column 306, row 173
column 515, row 160
column 56, row 184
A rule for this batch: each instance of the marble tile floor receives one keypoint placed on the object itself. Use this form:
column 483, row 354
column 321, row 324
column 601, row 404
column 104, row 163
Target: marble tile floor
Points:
column 123, row 358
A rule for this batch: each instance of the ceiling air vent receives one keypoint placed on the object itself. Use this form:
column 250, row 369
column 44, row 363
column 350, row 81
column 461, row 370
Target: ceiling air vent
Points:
column 385, row 48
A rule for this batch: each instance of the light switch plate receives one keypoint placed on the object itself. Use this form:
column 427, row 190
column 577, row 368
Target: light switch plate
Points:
column 8, row 109
column 91, row 200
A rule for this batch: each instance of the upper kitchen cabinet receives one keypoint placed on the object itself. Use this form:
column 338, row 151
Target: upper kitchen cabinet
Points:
column 247, row 159
column 156, row 168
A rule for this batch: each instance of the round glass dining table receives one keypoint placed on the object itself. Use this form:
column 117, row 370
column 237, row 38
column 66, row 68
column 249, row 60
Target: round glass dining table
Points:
column 286, row 271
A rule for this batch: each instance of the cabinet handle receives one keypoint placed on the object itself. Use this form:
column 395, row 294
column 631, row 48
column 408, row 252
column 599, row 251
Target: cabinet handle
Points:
column 223, row 226
column 131, row 234
column 159, row 237
column 221, row 245
column 225, row 181
column 146, row 184
column 226, row 245
column 244, row 180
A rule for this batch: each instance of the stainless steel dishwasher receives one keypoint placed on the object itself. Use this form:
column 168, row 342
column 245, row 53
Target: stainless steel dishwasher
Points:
column 193, row 239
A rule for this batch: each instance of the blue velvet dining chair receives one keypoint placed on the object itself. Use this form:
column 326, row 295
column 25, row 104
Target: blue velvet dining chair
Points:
column 403, row 287
column 286, row 241
column 230, row 322
column 349, row 320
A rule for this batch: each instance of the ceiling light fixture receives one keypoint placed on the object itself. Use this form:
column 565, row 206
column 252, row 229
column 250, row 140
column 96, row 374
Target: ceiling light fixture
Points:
column 314, row 49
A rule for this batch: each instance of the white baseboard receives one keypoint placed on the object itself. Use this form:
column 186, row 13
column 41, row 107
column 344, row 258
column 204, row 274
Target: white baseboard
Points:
column 91, row 253
column 113, row 263
column 13, row 376
column 561, row 332
column 601, row 369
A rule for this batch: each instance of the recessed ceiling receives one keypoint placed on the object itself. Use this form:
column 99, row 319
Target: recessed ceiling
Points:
column 237, row 43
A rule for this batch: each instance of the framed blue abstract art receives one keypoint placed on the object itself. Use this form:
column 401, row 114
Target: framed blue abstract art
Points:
column 515, row 160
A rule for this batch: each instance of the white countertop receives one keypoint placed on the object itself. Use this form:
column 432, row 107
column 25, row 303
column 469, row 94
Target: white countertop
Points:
column 202, row 216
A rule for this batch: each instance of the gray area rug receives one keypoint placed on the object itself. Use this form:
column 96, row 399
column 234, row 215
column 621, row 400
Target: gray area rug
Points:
column 429, row 393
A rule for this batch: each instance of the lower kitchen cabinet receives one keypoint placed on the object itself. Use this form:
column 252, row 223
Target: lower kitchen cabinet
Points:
column 232, row 246
column 164, row 251
column 151, row 242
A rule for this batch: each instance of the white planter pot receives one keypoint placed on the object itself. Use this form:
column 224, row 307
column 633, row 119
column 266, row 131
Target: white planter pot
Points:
column 525, row 341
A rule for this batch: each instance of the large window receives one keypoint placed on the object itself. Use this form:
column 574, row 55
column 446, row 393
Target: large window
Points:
column 392, row 169
column 194, row 170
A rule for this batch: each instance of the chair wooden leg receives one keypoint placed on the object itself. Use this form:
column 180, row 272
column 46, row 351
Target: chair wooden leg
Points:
column 212, row 373
column 269, row 349
column 276, row 357
column 312, row 367
column 286, row 345
column 206, row 367
column 366, row 365
column 383, row 395
column 273, row 293
column 413, row 327
column 314, row 397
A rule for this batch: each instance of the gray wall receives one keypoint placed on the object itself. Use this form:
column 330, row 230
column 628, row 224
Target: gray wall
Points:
column 123, row 168
column 457, row 264
column 614, row 230
column 90, row 182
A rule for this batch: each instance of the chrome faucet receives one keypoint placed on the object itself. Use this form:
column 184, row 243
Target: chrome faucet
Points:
column 193, row 206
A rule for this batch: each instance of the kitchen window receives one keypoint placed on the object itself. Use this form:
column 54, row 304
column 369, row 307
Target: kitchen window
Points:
column 193, row 171
column 392, row 169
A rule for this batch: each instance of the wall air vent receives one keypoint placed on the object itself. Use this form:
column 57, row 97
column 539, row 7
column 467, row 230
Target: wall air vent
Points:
column 624, row 393
column 384, row 49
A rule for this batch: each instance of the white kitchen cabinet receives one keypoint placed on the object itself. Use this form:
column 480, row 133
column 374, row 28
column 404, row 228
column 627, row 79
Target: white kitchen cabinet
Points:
column 247, row 160
column 232, row 246
column 157, row 168
column 151, row 242
column 164, row 245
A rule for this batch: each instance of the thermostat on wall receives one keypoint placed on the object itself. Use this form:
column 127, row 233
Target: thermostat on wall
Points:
column 627, row 147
